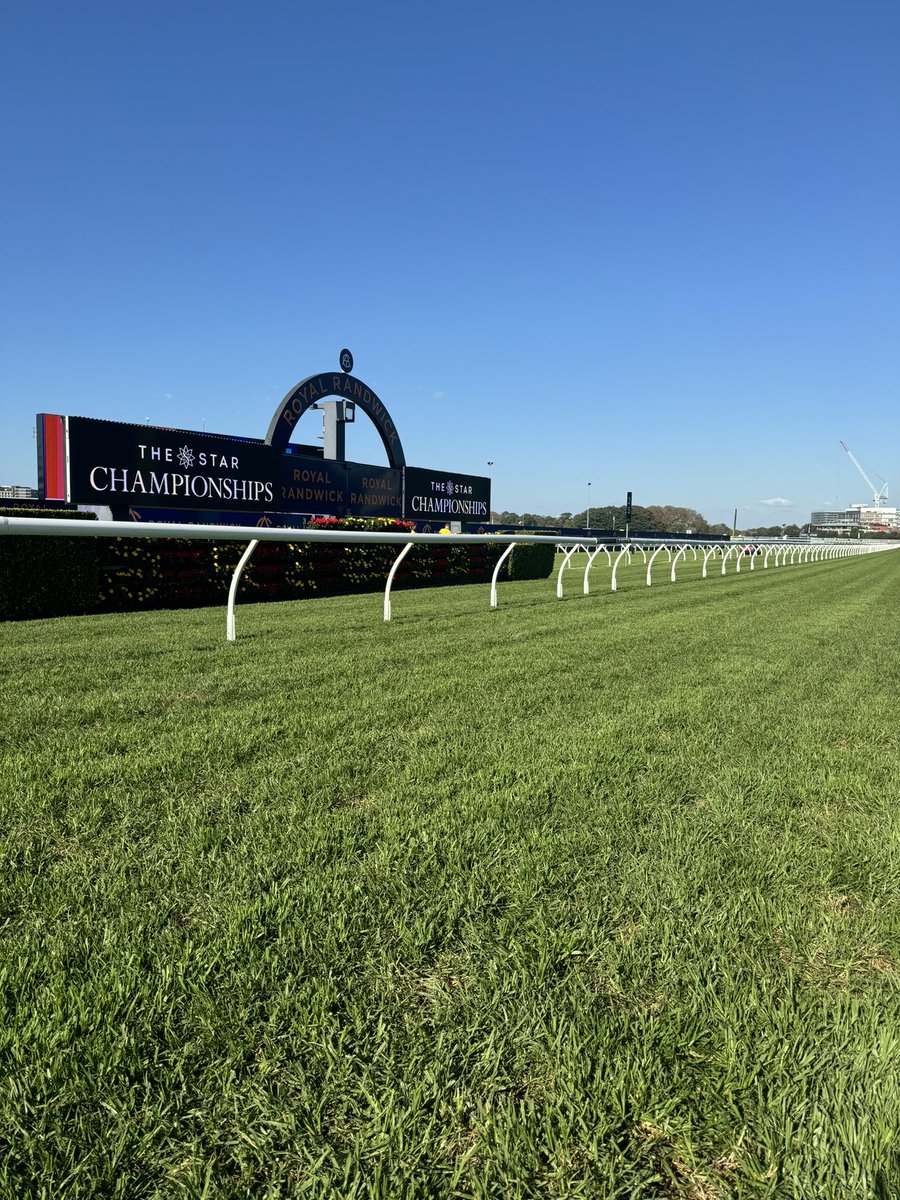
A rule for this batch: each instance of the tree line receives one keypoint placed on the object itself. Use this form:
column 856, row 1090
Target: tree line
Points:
column 654, row 518
column 657, row 518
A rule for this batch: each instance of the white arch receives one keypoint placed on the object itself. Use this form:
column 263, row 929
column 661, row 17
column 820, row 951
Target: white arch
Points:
column 232, row 591
column 706, row 557
column 681, row 550
column 624, row 550
column 559, row 584
column 650, row 563
column 500, row 561
column 390, row 579
column 725, row 557
column 590, row 562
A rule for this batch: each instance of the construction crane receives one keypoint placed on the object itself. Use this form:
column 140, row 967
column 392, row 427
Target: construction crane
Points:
column 879, row 495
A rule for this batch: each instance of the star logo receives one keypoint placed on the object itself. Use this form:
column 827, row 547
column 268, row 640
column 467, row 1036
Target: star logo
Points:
column 186, row 456
column 450, row 488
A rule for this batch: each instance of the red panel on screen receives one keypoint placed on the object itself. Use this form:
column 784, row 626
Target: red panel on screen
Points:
column 54, row 458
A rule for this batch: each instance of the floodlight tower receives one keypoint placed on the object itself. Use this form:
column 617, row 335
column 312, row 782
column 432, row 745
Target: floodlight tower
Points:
column 879, row 495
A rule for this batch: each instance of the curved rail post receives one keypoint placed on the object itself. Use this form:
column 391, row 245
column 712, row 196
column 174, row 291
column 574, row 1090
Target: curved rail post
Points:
column 500, row 561
column 693, row 550
column 650, row 563
column 390, row 579
column 590, row 562
column 739, row 554
column 232, row 591
column 706, row 557
column 559, row 585
column 624, row 550
column 752, row 557
column 768, row 551
column 682, row 550
column 725, row 557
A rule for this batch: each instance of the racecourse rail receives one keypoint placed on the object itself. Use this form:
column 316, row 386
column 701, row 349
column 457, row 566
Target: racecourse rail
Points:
column 776, row 549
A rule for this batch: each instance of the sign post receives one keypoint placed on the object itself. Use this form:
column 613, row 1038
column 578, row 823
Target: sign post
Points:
column 627, row 516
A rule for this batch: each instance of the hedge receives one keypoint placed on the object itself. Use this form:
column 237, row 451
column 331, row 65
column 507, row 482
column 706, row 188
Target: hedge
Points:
column 47, row 576
column 530, row 562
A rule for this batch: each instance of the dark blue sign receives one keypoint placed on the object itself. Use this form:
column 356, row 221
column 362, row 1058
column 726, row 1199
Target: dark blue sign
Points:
column 445, row 496
column 144, row 467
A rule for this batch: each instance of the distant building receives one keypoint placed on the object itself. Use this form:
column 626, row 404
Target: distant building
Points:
column 869, row 517
column 17, row 491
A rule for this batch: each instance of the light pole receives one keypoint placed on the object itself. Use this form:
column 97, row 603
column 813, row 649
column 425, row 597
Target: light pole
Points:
column 588, row 522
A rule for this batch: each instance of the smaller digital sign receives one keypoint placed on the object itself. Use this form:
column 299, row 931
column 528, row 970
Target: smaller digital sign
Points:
column 444, row 495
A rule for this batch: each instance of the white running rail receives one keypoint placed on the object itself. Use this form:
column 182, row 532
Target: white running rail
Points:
column 54, row 527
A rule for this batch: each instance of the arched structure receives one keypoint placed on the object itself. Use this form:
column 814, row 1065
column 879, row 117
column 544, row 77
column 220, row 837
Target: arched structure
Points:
column 590, row 562
column 624, row 550
column 569, row 551
column 652, row 556
column 706, row 557
column 315, row 388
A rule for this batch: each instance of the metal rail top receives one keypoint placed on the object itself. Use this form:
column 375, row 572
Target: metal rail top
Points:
column 53, row 527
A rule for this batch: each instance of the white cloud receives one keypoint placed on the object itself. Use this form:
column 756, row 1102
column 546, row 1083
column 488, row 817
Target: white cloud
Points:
column 777, row 502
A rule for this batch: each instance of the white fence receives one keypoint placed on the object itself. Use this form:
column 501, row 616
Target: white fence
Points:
column 54, row 527
column 779, row 552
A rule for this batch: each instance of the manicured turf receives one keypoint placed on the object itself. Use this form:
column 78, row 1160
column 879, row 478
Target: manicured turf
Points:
column 592, row 898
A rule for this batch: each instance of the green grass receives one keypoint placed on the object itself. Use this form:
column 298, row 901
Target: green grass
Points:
column 595, row 898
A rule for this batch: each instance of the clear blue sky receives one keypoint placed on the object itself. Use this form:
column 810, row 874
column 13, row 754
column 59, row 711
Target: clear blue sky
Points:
column 645, row 245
